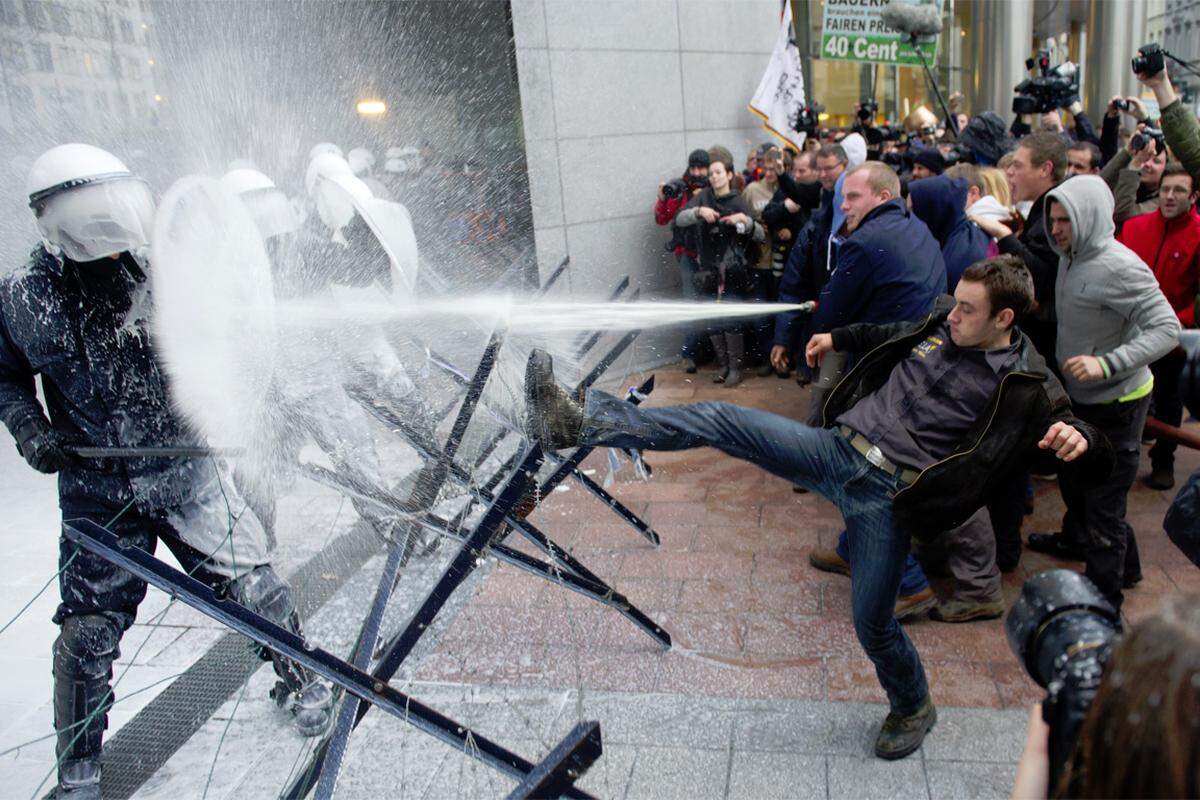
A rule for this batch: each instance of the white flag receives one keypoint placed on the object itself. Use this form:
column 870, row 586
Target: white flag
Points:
column 780, row 94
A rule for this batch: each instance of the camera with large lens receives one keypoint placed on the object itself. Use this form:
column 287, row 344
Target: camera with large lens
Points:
column 1149, row 61
column 1053, row 88
column 867, row 110
column 1062, row 630
column 674, row 189
column 808, row 118
column 1147, row 135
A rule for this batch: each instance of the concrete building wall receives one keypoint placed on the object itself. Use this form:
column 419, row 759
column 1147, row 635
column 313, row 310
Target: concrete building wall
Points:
column 614, row 94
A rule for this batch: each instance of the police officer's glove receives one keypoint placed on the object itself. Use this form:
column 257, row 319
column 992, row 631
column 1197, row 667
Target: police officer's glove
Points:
column 44, row 448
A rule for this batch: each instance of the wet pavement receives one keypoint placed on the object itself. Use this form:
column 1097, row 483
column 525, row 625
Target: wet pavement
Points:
column 765, row 692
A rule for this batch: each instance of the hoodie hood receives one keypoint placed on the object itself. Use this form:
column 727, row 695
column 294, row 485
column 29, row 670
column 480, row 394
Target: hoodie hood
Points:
column 940, row 203
column 1089, row 204
column 856, row 149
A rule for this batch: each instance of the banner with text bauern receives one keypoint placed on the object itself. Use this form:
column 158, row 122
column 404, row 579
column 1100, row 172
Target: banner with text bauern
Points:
column 853, row 31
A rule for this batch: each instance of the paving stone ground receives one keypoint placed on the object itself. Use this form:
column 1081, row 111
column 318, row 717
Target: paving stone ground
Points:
column 765, row 693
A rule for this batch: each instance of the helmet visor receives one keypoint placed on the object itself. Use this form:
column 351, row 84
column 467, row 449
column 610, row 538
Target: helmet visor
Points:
column 98, row 219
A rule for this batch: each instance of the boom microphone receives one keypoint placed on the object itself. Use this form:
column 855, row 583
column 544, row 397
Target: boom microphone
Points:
column 915, row 20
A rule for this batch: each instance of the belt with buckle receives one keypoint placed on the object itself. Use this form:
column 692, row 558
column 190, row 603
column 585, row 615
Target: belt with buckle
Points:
column 875, row 456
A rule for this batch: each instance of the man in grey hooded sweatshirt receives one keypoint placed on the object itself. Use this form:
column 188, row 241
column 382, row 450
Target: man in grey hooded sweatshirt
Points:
column 1113, row 322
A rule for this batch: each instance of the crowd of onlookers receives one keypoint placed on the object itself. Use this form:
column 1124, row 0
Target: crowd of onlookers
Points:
column 874, row 223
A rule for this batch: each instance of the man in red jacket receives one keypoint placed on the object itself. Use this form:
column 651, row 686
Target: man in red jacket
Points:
column 1169, row 241
column 672, row 197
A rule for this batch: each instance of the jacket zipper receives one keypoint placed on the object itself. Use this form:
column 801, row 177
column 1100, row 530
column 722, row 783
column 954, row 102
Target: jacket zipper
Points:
column 975, row 447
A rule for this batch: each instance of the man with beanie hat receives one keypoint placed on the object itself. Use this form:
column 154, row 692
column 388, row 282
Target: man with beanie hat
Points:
column 683, row 241
column 927, row 162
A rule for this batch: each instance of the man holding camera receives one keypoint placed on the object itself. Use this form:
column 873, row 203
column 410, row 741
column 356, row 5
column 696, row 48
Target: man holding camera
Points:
column 1133, row 174
column 1168, row 240
column 1179, row 126
column 911, row 442
column 672, row 197
column 1113, row 322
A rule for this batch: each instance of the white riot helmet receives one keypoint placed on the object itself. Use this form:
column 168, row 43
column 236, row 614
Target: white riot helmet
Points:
column 324, row 148
column 396, row 166
column 87, row 203
column 361, row 161
column 270, row 208
column 338, row 197
column 323, row 166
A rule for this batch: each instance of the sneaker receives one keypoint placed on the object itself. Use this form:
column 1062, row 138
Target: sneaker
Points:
column 311, row 707
column 1054, row 544
column 966, row 610
column 913, row 605
column 902, row 735
column 1161, row 478
column 689, row 366
column 552, row 418
column 78, row 780
column 828, row 560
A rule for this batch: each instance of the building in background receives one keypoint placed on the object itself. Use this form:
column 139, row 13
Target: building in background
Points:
column 62, row 61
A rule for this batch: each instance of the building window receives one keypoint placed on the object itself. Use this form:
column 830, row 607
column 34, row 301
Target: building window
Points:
column 9, row 15
column 42, row 60
column 60, row 18
column 13, row 56
column 35, row 14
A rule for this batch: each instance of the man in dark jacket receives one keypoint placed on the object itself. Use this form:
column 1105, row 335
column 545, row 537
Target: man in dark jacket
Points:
column 78, row 315
column 913, row 437
column 683, row 242
column 941, row 203
column 889, row 268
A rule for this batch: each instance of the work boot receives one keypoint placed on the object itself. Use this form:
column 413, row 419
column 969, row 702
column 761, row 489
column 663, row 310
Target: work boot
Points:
column 909, row 606
column 735, row 343
column 722, row 354
column 967, row 610
column 1160, row 478
column 552, row 418
column 902, row 735
column 311, row 706
column 1055, row 544
column 78, row 780
column 828, row 560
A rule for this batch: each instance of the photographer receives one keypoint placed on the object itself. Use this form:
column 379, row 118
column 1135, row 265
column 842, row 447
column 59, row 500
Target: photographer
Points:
column 1179, row 127
column 1133, row 175
column 725, row 232
column 1139, row 738
column 672, row 197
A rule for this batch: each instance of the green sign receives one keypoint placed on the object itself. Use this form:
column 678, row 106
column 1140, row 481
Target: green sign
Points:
column 853, row 31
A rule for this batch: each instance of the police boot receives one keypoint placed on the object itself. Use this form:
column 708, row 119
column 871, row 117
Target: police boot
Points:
column 298, row 691
column 552, row 418
column 83, row 657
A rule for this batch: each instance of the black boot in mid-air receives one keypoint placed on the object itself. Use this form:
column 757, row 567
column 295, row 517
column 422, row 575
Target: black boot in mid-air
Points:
column 552, row 418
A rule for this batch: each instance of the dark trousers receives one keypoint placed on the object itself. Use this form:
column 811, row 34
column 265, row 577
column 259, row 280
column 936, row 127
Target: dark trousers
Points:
column 1168, row 406
column 1097, row 510
column 820, row 460
column 1007, row 510
column 764, row 288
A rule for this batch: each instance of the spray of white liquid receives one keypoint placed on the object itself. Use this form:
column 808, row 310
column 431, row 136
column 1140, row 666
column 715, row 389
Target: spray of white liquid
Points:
column 237, row 355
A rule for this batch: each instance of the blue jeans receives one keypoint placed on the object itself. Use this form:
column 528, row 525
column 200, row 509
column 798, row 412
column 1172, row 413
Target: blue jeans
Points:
column 820, row 460
column 687, row 270
column 914, row 579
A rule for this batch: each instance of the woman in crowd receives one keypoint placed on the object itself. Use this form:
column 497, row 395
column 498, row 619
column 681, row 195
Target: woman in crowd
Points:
column 727, row 235
column 764, row 279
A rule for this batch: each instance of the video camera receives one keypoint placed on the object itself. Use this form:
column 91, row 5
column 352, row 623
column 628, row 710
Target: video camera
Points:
column 1062, row 630
column 809, row 118
column 1054, row 88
